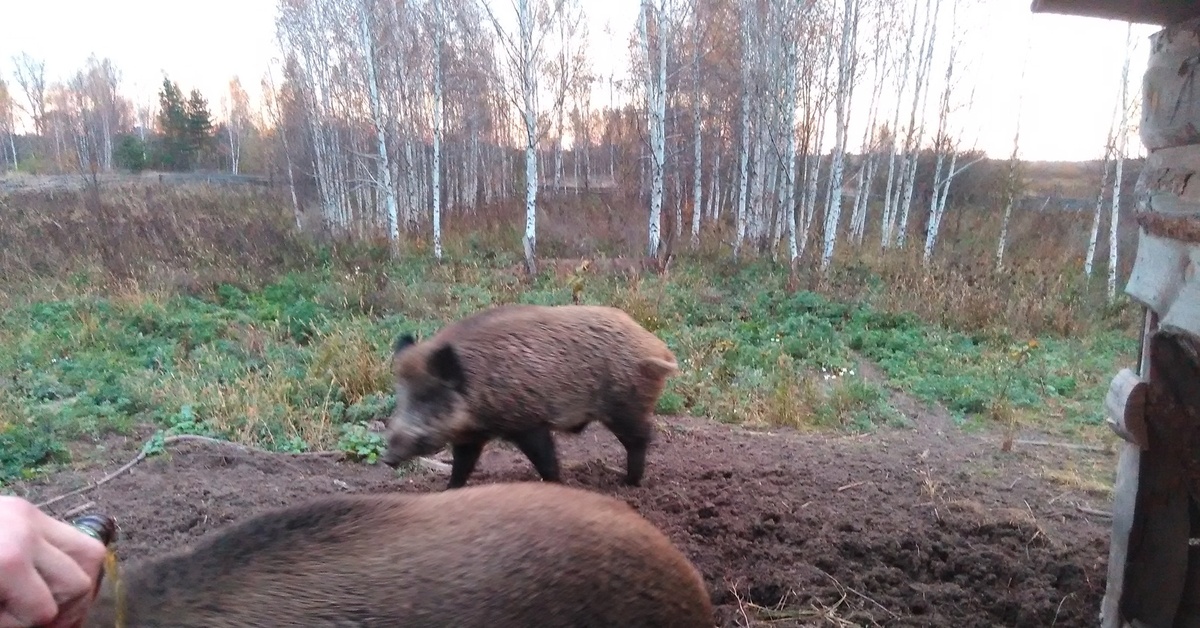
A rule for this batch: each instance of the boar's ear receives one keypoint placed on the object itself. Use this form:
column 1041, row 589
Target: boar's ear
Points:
column 444, row 365
column 403, row 341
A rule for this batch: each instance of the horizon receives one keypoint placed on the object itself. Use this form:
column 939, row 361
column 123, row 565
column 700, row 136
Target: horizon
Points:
column 1065, row 101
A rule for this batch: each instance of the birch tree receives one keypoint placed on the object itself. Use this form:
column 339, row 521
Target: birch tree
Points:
column 916, row 129
column 790, row 22
column 697, row 172
column 943, row 144
column 845, row 85
column 8, row 127
column 30, row 74
column 1012, row 187
column 880, row 68
column 890, row 200
column 748, row 25
column 1121, row 150
column 272, row 110
column 652, row 24
column 526, row 55
column 383, row 178
column 438, row 105
column 237, row 117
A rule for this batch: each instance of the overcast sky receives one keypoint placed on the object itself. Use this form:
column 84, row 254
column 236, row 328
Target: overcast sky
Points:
column 1070, row 87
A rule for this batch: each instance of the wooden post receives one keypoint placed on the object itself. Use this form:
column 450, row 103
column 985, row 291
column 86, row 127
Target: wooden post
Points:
column 1154, row 571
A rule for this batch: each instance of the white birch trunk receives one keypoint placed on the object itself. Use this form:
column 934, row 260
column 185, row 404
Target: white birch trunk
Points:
column 654, row 40
column 744, row 157
column 1122, row 144
column 697, row 172
column 833, row 210
column 1113, row 219
column 937, row 203
column 714, row 195
column 438, row 105
column 915, row 131
column 384, row 166
column 1011, row 192
column 529, row 95
column 1090, row 260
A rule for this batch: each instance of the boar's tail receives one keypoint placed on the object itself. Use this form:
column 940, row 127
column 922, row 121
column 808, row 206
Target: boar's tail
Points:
column 658, row 368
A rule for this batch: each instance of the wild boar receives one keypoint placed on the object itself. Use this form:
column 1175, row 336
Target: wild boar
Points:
column 519, row 372
column 498, row 555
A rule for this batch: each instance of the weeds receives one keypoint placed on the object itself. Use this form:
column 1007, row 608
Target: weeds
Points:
column 286, row 349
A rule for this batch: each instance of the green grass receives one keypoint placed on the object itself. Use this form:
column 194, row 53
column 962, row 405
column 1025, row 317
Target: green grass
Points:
column 300, row 363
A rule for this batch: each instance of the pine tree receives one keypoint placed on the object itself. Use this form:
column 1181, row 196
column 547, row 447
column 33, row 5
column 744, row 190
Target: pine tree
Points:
column 173, row 152
column 199, row 125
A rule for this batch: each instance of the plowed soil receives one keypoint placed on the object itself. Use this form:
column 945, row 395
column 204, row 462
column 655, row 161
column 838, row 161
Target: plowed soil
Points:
column 929, row 526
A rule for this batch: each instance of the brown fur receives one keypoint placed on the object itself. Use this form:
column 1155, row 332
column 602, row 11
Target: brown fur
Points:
column 499, row 555
column 519, row 372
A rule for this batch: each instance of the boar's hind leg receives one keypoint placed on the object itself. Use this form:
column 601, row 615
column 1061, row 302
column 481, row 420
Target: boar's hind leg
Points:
column 465, row 457
column 538, row 445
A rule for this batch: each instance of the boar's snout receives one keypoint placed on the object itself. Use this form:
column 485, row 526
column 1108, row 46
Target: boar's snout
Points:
column 391, row 458
column 403, row 447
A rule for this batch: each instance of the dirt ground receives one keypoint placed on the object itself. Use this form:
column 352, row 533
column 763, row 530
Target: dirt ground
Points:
column 929, row 526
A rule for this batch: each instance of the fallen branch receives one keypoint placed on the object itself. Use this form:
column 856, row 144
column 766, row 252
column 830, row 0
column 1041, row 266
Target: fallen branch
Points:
column 432, row 465
column 1092, row 511
column 78, row 509
column 1045, row 443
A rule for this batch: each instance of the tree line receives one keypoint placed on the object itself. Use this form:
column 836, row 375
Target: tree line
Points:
column 392, row 117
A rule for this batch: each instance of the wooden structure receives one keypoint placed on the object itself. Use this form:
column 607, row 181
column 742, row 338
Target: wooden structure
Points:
column 1154, row 552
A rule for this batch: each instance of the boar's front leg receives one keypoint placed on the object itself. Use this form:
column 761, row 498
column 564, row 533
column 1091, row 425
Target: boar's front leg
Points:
column 465, row 457
column 538, row 445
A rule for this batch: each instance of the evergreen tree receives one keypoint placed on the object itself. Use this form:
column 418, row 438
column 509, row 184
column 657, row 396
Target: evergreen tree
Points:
column 174, row 148
column 199, row 125
column 130, row 153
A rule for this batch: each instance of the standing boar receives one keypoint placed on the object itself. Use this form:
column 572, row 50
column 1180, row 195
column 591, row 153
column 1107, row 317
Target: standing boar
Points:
column 500, row 555
column 519, row 372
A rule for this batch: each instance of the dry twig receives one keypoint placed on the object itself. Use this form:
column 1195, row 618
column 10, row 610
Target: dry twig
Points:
column 858, row 593
column 1092, row 511
column 1078, row 446
column 432, row 465
column 78, row 509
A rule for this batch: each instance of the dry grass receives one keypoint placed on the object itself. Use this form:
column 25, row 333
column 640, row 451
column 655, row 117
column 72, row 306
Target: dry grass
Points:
column 184, row 237
column 1093, row 476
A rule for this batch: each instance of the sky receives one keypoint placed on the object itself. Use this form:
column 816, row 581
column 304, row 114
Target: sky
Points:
column 1065, row 99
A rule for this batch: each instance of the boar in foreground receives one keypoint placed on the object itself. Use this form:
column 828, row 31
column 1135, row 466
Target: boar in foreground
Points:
column 520, row 372
column 494, row 556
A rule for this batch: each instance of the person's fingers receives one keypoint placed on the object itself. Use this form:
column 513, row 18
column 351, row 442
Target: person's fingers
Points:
column 70, row 614
column 84, row 549
column 50, row 568
column 65, row 577
column 25, row 598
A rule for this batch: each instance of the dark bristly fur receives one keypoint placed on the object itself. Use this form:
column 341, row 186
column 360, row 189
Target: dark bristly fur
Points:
column 493, row 556
column 521, row 372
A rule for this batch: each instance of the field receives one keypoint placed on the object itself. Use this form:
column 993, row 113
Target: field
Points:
column 889, row 445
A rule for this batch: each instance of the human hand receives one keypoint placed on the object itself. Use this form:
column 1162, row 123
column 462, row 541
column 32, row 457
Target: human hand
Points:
column 49, row 568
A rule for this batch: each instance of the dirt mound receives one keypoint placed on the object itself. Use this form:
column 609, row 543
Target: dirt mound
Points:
column 903, row 528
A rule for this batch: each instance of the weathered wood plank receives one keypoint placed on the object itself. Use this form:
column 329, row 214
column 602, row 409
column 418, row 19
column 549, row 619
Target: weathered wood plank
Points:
column 1124, row 508
column 1170, row 95
column 1171, row 180
column 1156, row 559
column 1189, row 608
column 1160, row 12
column 1126, row 408
column 1165, row 279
